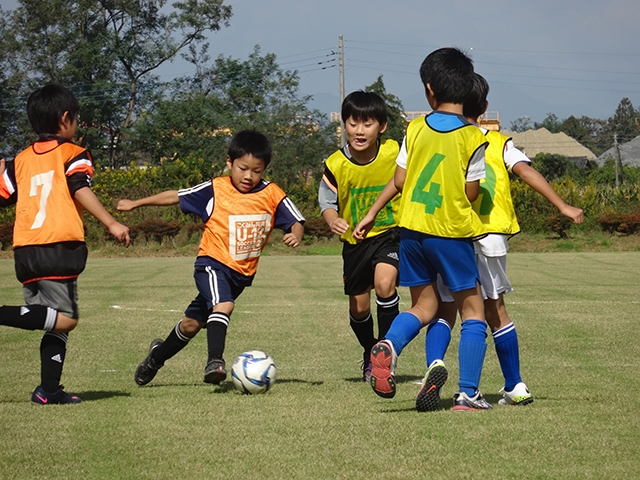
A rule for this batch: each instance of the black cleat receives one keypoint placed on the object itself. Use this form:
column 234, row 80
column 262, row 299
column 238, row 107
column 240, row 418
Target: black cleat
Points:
column 215, row 371
column 148, row 368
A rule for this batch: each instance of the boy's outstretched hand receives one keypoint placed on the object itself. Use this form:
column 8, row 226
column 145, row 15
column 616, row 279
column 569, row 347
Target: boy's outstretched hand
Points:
column 120, row 232
column 294, row 237
column 364, row 227
column 125, row 205
column 291, row 240
column 575, row 214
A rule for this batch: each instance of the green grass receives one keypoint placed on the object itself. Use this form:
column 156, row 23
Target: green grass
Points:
column 577, row 318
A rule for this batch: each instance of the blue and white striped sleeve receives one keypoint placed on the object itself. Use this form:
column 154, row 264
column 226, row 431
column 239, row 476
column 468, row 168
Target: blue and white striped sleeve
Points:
column 287, row 214
column 198, row 200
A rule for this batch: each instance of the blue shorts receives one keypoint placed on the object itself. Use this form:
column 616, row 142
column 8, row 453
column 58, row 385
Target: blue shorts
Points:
column 423, row 256
column 214, row 286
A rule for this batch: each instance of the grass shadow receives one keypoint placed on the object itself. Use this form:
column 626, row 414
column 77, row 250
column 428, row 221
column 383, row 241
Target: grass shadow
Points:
column 94, row 395
column 297, row 380
column 228, row 386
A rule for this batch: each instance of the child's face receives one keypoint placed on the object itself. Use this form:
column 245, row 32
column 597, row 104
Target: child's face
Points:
column 363, row 134
column 246, row 172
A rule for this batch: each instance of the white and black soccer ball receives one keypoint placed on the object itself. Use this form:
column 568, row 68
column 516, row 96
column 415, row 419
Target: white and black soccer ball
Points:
column 253, row 372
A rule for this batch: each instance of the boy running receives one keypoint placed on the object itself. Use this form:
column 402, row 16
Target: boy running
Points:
column 353, row 178
column 438, row 171
column 495, row 209
column 53, row 177
column 239, row 212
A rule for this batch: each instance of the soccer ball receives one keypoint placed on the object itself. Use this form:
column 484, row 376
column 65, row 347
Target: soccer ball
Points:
column 253, row 372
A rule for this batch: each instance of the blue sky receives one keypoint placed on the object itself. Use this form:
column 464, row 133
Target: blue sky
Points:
column 548, row 56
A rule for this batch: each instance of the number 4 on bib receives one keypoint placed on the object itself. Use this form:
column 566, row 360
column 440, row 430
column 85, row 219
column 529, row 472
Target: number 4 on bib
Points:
column 431, row 199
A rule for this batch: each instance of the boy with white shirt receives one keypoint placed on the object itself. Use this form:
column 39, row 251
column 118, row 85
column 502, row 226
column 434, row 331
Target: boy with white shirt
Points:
column 495, row 208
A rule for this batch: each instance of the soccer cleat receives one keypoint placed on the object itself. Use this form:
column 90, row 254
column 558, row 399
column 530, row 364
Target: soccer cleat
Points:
column 215, row 371
column 148, row 368
column 366, row 367
column 383, row 365
column 520, row 395
column 60, row 397
column 428, row 399
column 462, row 402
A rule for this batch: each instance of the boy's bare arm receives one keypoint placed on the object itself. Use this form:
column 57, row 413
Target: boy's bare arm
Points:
column 85, row 197
column 386, row 195
column 169, row 197
column 535, row 180
column 337, row 224
column 472, row 190
column 294, row 237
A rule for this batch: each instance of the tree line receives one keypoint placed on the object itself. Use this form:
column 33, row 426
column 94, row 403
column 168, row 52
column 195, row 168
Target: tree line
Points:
column 108, row 53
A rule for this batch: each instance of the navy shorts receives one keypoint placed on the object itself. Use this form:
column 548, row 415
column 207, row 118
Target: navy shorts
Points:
column 423, row 257
column 214, row 286
column 360, row 260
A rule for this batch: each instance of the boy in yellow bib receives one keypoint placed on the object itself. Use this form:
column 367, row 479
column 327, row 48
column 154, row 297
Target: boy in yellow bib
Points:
column 439, row 168
column 239, row 212
column 495, row 209
column 353, row 178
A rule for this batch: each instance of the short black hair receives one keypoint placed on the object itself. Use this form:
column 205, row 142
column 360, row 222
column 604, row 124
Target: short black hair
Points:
column 250, row 142
column 449, row 72
column 363, row 106
column 46, row 106
column 476, row 102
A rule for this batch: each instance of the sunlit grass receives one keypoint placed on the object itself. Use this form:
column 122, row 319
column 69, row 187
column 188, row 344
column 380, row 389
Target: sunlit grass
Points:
column 577, row 318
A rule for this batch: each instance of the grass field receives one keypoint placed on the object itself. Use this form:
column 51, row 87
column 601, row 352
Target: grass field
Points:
column 578, row 323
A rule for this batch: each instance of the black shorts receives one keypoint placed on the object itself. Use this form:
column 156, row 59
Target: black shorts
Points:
column 359, row 260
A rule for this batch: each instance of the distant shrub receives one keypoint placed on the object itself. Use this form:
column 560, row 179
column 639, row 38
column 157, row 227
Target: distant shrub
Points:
column 156, row 229
column 317, row 227
column 558, row 224
column 6, row 235
column 192, row 229
column 625, row 223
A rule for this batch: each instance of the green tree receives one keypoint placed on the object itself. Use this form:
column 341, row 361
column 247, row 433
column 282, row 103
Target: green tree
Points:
column 552, row 166
column 585, row 130
column 623, row 123
column 521, row 124
column 106, row 52
column 231, row 95
column 551, row 123
column 397, row 123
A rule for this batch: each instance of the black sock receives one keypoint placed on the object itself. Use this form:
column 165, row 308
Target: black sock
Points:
column 174, row 342
column 29, row 317
column 53, row 348
column 217, row 324
column 363, row 328
column 388, row 309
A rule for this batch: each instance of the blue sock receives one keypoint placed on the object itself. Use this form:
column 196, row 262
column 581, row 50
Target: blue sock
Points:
column 405, row 327
column 506, row 343
column 437, row 340
column 473, row 346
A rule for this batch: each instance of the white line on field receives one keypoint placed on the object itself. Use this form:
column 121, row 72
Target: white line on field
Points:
column 118, row 307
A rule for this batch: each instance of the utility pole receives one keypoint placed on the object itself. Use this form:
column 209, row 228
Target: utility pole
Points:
column 343, row 134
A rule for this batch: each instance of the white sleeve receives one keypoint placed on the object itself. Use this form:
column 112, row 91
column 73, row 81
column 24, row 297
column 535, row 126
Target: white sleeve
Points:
column 401, row 159
column 512, row 156
column 476, row 168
